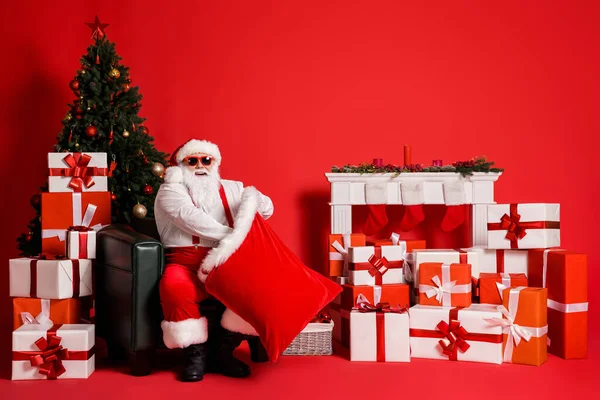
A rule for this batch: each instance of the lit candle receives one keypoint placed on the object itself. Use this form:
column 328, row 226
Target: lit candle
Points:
column 407, row 160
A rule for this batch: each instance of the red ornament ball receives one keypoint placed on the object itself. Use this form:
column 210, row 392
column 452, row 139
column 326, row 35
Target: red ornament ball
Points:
column 143, row 130
column 35, row 200
column 113, row 197
column 148, row 190
column 74, row 85
column 91, row 131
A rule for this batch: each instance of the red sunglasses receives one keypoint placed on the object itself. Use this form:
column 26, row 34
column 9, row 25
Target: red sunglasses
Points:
column 192, row 161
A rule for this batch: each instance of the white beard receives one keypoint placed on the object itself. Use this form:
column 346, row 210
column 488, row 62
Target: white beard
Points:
column 204, row 189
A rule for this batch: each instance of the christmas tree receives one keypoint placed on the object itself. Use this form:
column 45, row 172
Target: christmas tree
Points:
column 104, row 117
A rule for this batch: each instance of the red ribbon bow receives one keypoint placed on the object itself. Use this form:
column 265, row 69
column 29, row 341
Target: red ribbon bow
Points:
column 379, row 267
column 80, row 228
column 455, row 338
column 383, row 307
column 81, row 175
column 50, row 360
column 512, row 224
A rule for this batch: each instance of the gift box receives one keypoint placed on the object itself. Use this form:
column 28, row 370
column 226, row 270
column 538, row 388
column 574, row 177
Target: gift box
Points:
column 77, row 172
column 56, row 352
column 81, row 243
column 377, row 333
column 524, row 325
column 60, row 211
column 456, row 334
column 523, row 226
column 394, row 294
column 447, row 285
column 45, row 311
column 500, row 261
column 489, row 291
column 394, row 240
column 338, row 251
column 446, row 256
column 373, row 265
column 565, row 275
column 51, row 278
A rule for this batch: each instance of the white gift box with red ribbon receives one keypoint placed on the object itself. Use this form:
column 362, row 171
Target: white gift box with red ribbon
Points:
column 523, row 226
column 376, row 265
column 53, row 352
column 456, row 334
column 77, row 172
column 81, row 243
column 50, row 279
column 501, row 260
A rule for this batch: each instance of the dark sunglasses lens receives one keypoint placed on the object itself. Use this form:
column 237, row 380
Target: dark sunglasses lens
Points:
column 192, row 161
column 206, row 161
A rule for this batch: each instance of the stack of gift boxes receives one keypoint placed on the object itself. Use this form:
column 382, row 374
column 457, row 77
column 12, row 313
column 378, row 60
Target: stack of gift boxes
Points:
column 513, row 301
column 54, row 334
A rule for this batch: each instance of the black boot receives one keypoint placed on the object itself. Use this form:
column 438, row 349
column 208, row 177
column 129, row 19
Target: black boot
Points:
column 222, row 359
column 195, row 360
column 258, row 353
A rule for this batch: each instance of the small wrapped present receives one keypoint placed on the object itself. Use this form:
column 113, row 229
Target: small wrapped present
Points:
column 45, row 311
column 489, row 290
column 446, row 256
column 377, row 332
column 50, row 278
column 77, row 172
column 447, row 285
column 56, row 352
column 525, row 325
column 81, row 242
column 565, row 274
column 338, row 251
column 523, row 226
column 376, row 265
column 394, row 240
column 456, row 334
column 63, row 210
column 500, row 261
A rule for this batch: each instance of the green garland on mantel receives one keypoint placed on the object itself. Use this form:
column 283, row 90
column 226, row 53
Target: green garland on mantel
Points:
column 465, row 168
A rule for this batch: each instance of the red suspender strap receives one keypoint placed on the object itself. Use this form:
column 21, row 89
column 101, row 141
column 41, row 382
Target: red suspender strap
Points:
column 226, row 206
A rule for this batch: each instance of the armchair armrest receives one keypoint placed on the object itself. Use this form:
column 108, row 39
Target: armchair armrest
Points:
column 129, row 266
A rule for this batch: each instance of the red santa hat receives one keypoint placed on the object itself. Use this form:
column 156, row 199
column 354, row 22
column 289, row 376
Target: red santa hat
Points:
column 174, row 174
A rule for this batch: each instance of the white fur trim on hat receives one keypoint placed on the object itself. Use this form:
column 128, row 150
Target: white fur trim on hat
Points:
column 184, row 333
column 234, row 323
column 173, row 175
column 195, row 146
column 230, row 243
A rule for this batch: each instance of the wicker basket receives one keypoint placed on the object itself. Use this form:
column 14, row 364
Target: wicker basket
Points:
column 315, row 339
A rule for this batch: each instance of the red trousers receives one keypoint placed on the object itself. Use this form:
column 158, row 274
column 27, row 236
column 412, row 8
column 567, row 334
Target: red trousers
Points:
column 180, row 289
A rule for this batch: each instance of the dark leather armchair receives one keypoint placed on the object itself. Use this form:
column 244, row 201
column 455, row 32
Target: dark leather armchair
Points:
column 129, row 265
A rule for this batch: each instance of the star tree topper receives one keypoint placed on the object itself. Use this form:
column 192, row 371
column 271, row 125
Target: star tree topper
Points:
column 97, row 28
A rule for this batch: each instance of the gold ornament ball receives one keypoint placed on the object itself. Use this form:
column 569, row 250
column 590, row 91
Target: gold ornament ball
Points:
column 76, row 144
column 69, row 116
column 114, row 73
column 158, row 169
column 125, row 133
column 139, row 211
column 83, row 72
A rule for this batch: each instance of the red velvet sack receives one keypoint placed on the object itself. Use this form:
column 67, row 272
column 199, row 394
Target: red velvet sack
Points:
column 253, row 273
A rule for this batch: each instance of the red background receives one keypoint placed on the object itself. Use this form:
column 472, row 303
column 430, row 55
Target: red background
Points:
column 288, row 89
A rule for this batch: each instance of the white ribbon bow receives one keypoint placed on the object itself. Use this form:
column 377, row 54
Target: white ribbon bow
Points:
column 43, row 318
column 79, row 219
column 342, row 251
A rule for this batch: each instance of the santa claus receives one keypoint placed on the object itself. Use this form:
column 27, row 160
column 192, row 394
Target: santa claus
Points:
column 194, row 210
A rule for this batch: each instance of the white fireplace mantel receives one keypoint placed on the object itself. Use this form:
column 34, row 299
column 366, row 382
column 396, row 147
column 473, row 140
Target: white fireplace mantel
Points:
column 348, row 189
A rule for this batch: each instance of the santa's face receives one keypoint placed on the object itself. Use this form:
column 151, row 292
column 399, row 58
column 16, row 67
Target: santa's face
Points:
column 201, row 177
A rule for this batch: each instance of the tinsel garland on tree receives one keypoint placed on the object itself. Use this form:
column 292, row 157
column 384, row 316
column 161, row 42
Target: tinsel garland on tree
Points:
column 104, row 117
column 465, row 168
